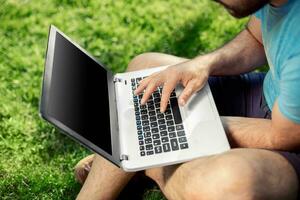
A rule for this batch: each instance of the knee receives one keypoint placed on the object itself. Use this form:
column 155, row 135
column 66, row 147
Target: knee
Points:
column 227, row 177
column 141, row 61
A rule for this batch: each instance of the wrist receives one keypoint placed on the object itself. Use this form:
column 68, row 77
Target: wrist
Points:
column 208, row 62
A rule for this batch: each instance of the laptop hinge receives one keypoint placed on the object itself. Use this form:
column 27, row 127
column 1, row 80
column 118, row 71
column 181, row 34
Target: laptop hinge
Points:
column 123, row 157
column 119, row 80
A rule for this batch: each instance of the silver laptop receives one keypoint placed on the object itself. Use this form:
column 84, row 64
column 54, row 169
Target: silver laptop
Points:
column 97, row 108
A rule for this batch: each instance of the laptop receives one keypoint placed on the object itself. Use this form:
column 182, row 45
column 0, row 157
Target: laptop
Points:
column 98, row 108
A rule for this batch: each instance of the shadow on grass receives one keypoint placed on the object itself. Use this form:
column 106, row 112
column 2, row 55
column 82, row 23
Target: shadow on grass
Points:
column 185, row 40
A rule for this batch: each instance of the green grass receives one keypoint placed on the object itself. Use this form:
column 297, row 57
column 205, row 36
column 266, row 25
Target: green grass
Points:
column 36, row 159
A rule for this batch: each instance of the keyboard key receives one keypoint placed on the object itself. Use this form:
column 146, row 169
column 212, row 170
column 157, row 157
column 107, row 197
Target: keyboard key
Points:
column 151, row 113
column 174, row 144
column 165, row 139
column 139, row 127
column 143, row 106
column 172, row 135
column 162, row 127
column 147, row 134
column 171, row 128
column 156, row 142
column 179, row 127
column 149, row 147
column 137, row 117
column 157, row 105
column 145, row 123
column 170, row 123
column 150, row 153
column 154, row 130
column 140, row 137
column 154, row 124
column 138, row 122
column 143, row 112
column 166, row 147
column 140, row 132
column 160, row 116
column 146, row 128
column 141, row 142
column 142, row 148
column 144, row 117
column 180, row 133
column 184, row 146
column 148, row 140
column 142, row 153
column 155, row 136
column 163, row 133
column 176, row 111
column 161, row 121
column 169, row 117
column 182, row 139
column 158, row 149
column 152, row 118
column 151, row 108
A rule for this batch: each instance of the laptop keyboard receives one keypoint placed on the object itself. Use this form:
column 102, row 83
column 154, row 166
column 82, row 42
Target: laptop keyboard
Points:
column 158, row 132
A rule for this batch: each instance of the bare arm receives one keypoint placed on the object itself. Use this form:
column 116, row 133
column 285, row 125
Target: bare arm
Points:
column 278, row 133
column 243, row 54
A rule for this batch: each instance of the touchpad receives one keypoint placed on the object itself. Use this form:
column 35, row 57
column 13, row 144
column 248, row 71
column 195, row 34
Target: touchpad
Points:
column 199, row 107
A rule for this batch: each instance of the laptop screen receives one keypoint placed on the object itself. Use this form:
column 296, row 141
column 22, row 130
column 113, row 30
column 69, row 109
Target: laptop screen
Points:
column 79, row 94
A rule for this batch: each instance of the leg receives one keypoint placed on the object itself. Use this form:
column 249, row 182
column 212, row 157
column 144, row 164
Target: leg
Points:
column 236, row 174
column 101, row 182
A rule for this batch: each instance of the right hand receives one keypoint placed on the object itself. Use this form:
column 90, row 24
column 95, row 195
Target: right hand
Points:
column 190, row 74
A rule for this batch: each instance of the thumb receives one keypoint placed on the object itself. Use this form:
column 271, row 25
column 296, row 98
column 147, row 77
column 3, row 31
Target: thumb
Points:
column 192, row 87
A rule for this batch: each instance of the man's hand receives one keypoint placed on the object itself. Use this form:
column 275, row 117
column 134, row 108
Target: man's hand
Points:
column 190, row 74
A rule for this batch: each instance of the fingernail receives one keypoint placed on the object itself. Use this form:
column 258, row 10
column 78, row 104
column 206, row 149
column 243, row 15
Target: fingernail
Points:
column 182, row 102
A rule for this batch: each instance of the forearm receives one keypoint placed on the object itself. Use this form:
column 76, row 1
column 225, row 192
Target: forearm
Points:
column 248, row 132
column 243, row 54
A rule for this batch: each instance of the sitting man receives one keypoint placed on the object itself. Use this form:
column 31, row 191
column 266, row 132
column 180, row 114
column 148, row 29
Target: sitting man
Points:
column 260, row 113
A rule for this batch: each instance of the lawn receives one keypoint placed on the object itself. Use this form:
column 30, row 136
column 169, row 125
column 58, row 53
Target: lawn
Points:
column 36, row 159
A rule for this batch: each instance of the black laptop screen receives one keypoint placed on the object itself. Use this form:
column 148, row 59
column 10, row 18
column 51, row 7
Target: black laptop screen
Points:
column 79, row 94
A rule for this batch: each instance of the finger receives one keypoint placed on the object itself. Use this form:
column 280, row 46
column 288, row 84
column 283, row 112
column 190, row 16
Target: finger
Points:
column 192, row 87
column 143, row 84
column 152, row 86
column 167, row 90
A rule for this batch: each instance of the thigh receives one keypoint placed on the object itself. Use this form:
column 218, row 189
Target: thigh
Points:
column 239, row 95
column 235, row 174
column 151, row 59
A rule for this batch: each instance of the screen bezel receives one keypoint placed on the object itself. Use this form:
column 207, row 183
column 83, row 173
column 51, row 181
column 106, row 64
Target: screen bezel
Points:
column 115, row 157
